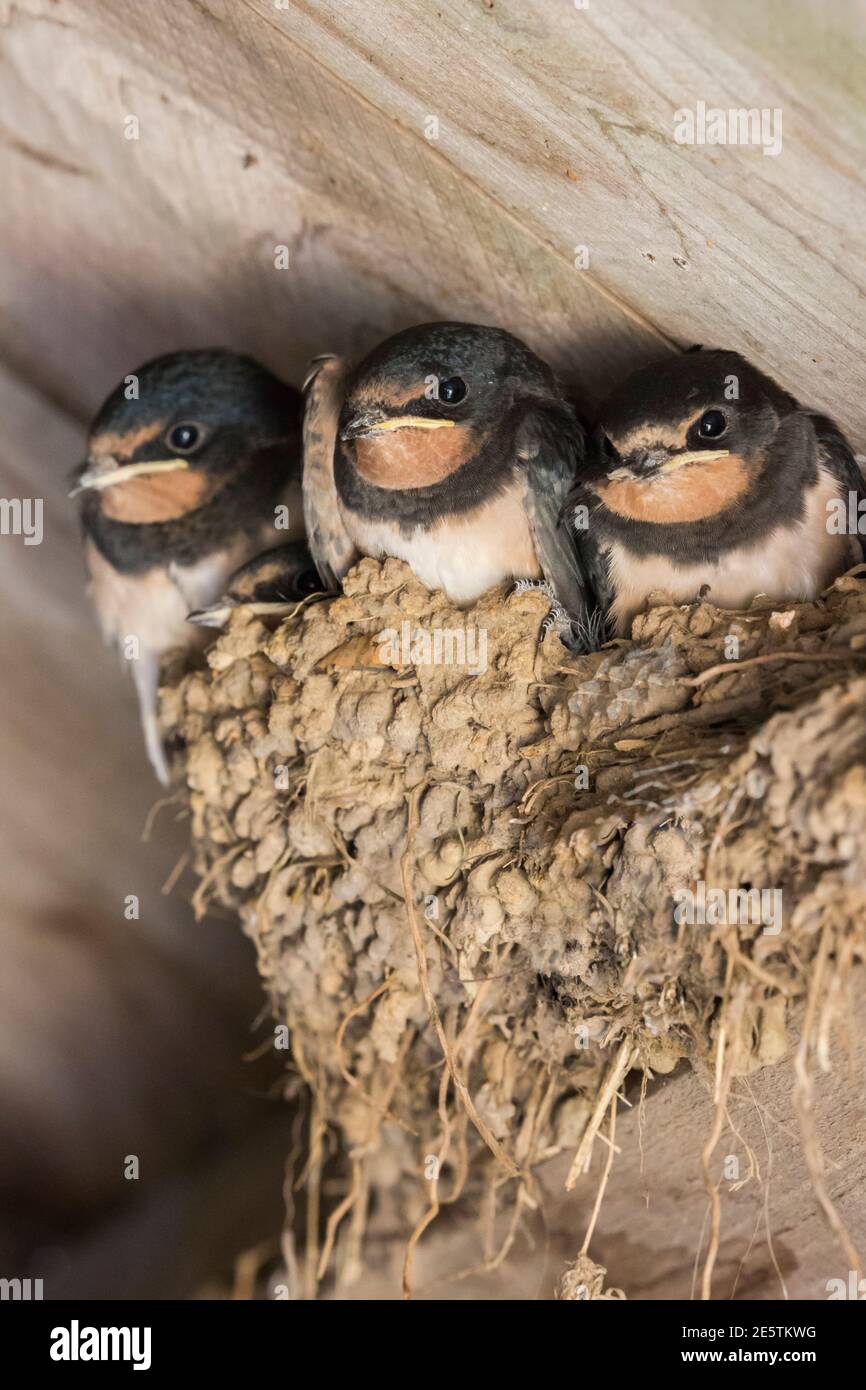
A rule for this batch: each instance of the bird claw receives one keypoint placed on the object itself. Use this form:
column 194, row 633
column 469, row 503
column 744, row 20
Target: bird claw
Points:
column 557, row 616
column 578, row 635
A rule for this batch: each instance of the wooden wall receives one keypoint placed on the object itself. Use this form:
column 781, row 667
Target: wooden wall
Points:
column 118, row 1035
column 279, row 122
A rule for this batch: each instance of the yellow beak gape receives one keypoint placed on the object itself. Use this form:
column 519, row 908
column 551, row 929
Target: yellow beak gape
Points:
column 98, row 478
column 695, row 456
column 413, row 422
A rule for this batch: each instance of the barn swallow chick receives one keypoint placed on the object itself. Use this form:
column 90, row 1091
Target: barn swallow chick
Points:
column 270, row 584
column 713, row 480
column 453, row 448
column 181, row 485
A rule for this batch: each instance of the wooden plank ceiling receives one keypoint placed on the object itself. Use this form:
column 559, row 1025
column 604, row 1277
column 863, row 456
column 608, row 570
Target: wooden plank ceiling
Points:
column 281, row 122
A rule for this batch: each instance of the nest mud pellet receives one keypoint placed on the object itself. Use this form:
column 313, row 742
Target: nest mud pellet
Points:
column 462, row 885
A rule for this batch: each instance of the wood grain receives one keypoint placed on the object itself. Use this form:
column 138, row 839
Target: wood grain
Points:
column 169, row 240
column 565, row 118
column 305, row 127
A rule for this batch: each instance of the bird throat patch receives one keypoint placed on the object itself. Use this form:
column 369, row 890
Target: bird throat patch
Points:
column 159, row 497
column 692, row 493
column 413, row 458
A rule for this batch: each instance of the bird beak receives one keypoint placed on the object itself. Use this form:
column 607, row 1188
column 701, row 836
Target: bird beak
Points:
column 108, row 472
column 676, row 461
column 375, row 422
column 645, row 464
column 216, row 616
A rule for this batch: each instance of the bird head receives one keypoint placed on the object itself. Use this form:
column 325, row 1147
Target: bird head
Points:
column 272, row 581
column 424, row 401
column 172, row 432
column 683, row 439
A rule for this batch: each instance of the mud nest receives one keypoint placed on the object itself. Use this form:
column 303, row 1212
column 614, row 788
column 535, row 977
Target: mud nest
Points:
column 487, row 880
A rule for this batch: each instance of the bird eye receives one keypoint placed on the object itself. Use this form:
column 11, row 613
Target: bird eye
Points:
column 308, row 582
column 712, row 424
column 184, row 438
column 452, row 390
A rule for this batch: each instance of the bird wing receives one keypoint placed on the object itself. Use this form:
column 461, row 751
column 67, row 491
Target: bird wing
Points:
column 140, row 607
column 330, row 544
column 146, row 673
column 551, row 445
column 838, row 456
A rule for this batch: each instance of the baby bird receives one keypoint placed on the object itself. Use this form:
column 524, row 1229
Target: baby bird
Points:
column 451, row 447
column 270, row 584
column 712, row 479
column 193, row 466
